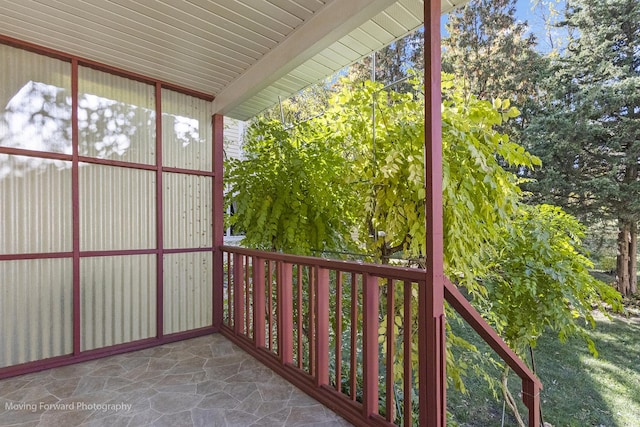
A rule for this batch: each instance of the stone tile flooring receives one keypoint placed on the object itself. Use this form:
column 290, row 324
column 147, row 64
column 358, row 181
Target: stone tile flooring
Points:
column 205, row 381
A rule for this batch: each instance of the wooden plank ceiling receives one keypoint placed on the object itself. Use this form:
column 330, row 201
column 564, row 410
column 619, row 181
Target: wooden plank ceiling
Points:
column 246, row 53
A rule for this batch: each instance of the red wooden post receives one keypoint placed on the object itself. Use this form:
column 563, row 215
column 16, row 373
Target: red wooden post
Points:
column 322, row 326
column 75, row 206
column 159, row 218
column 218, row 221
column 285, row 312
column 531, row 399
column 431, row 345
column 370, row 301
column 238, row 294
column 258, row 302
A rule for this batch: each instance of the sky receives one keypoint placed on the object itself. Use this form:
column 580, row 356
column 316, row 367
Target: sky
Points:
column 526, row 11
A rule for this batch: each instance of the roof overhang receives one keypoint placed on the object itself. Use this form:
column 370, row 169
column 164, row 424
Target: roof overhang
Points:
column 246, row 54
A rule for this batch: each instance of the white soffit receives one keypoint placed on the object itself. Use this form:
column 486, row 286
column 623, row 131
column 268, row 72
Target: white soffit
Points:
column 395, row 21
column 246, row 53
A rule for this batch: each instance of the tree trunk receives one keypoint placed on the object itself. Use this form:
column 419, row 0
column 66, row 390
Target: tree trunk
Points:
column 627, row 250
column 508, row 397
column 633, row 258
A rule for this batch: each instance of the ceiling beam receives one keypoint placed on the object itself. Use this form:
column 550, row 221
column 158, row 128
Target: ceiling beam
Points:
column 325, row 27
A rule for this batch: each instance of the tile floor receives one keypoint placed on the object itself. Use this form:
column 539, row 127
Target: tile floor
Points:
column 205, row 381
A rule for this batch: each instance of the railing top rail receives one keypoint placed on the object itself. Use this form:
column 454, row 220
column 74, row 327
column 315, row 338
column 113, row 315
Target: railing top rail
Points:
column 416, row 275
column 488, row 334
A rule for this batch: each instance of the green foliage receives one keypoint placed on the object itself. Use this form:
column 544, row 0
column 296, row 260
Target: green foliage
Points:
column 387, row 168
column 539, row 279
column 388, row 171
column 480, row 196
column 290, row 191
column 358, row 169
column 306, row 104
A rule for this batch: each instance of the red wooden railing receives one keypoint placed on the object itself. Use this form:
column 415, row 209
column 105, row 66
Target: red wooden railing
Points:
column 344, row 332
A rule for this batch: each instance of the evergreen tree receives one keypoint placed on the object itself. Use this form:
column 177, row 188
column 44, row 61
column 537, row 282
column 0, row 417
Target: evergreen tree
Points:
column 495, row 56
column 491, row 51
column 588, row 136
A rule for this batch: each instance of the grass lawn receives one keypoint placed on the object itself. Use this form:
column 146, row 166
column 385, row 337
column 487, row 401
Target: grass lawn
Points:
column 579, row 390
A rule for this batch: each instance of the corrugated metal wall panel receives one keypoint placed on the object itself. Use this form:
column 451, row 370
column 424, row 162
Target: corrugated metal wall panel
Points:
column 186, row 132
column 35, row 101
column 187, row 291
column 35, row 205
column 187, row 208
column 35, row 310
column 118, row 299
column 117, row 208
column 117, row 211
column 116, row 117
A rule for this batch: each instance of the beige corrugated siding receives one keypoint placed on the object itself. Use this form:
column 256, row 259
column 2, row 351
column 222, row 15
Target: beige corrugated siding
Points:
column 118, row 299
column 116, row 117
column 187, row 291
column 36, row 87
column 35, row 205
column 187, row 211
column 35, row 310
column 117, row 208
column 186, row 132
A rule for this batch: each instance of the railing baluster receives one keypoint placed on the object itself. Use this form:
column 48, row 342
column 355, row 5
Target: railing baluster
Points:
column 312, row 322
column 300, row 314
column 391, row 349
column 258, row 302
column 354, row 336
column 338, row 331
column 285, row 313
column 370, row 300
column 229, row 289
column 270, row 289
column 238, row 297
column 322, row 326
column 408, row 371
column 247, row 297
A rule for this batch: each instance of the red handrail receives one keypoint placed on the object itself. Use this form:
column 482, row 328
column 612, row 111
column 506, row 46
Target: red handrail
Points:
column 531, row 385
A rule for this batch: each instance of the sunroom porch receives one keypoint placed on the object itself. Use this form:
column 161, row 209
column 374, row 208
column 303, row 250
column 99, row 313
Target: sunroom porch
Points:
column 112, row 186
